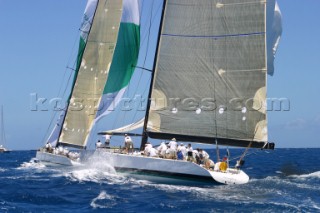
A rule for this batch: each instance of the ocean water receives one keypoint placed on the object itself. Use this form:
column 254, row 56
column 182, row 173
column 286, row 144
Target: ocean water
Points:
column 283, row 180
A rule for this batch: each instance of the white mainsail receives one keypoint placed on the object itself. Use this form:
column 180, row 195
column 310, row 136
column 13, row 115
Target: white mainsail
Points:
column 211, row 71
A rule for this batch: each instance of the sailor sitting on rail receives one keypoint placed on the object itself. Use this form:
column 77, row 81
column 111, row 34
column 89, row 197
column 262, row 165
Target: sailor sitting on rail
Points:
column 149, row 150
column 56, row 151
column 162, row 149
column 204, row 158
column 73, row 156
column 49, row 147
column 171, row 153
column 153, row 153
column 196, row 157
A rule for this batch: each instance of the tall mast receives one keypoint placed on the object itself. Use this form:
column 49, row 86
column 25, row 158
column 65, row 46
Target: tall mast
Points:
column 144, row 134
column 3, row 137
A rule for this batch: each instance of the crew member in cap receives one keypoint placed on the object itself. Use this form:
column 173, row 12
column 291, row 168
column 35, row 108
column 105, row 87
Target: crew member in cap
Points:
column 173, row 144
column 98, row 144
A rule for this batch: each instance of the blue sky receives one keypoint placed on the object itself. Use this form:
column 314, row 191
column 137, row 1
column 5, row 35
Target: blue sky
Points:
column 39, row 38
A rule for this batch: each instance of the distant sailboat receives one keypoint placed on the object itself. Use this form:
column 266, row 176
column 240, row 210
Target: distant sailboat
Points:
column 3, row 135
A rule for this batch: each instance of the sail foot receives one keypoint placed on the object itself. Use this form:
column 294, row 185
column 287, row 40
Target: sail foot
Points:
column 211, row 140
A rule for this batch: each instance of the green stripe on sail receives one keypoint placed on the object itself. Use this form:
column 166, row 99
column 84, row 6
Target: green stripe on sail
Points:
column 82, row 45
column 125, row 58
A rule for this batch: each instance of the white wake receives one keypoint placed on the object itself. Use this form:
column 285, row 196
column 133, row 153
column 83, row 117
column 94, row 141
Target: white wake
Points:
column 94, row 169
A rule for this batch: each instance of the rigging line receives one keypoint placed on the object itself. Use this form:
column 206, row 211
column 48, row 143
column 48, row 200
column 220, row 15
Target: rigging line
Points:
column 215, row 111
column 149, row 32
column 241, row 155
column 60, row 88
column 153, row 19
column 148, row 42
column 144, row 92
column 140, row 14
column 126, row 95
column 147, row 48
column 67, row 86
column 147, row 51
column 49, row 126
column 248, row 147
column 71, row 55
column 145, row 134
column 143, row 68
column 226, row 97
column 226, row 79
column 70, row 68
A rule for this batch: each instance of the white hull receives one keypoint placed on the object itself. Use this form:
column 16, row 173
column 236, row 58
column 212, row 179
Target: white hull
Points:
column 2, row 149
column 47, row 157
column 172, row 168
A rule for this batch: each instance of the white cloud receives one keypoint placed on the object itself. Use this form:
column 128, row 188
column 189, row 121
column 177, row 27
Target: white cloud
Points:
column 297, row 124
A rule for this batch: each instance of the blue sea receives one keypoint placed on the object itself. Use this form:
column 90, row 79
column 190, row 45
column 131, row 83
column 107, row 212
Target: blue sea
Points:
column 283, row 180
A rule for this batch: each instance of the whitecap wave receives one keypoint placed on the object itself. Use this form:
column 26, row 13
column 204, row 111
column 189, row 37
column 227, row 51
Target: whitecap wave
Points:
column 103, row 200
column 306, row 176
column 2, row 170
column 32, row 164
column 282, row 182
column 222, row 193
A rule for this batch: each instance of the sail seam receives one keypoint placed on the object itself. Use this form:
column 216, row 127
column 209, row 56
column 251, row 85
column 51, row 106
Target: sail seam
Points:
column 215, row 36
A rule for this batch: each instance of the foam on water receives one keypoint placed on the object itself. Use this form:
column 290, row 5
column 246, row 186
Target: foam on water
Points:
column 94, row 186
column 103, row 200
column 94, row 169
column 307, row 176
column 285, row 182
column 222, row 193
column 32, row 164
